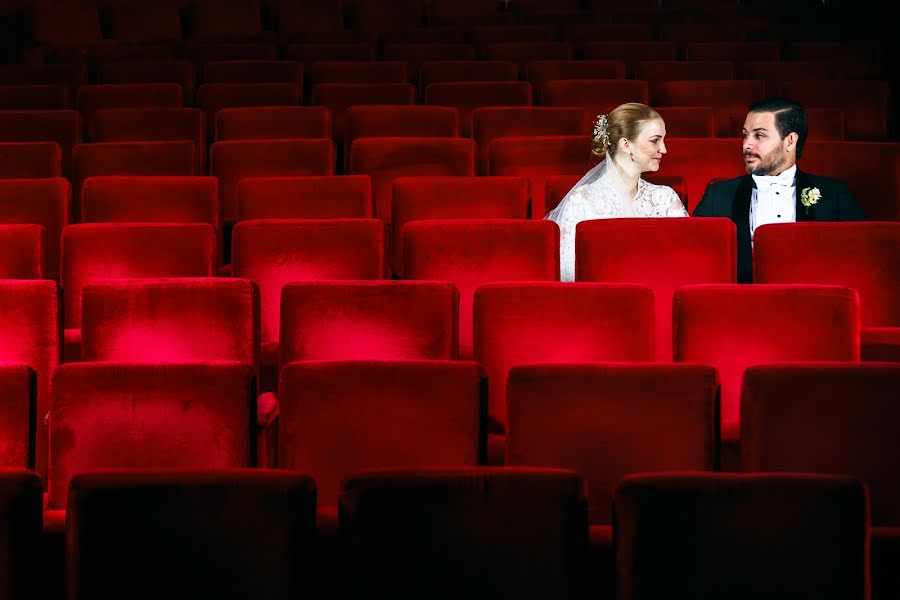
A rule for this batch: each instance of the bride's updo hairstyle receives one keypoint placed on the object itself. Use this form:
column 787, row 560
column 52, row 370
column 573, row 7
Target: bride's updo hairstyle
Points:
column 625, row 121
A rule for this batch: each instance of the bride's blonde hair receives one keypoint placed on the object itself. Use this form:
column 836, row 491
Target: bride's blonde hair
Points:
column 623, row 122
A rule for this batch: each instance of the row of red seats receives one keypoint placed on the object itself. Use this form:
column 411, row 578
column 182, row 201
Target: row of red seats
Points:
column 446, row 533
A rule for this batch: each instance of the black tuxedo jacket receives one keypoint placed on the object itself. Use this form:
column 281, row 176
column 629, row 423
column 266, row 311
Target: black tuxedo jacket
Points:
column 731, row 199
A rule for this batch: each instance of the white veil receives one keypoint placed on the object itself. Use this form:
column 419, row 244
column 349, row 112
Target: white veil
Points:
column 596, row 172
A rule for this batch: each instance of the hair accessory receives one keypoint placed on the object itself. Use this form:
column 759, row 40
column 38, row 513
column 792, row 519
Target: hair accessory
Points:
column 600, row 129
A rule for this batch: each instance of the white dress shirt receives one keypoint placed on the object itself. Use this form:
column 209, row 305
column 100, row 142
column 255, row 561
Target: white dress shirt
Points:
column 773, row 199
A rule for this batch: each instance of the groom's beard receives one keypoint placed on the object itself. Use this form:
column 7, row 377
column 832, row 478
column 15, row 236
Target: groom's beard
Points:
column 767, row 164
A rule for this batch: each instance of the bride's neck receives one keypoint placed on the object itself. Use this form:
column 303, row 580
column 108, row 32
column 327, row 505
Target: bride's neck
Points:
column 625, row 174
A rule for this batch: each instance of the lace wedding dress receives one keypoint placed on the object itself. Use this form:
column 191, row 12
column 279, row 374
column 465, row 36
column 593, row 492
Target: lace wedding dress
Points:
column 597, row 197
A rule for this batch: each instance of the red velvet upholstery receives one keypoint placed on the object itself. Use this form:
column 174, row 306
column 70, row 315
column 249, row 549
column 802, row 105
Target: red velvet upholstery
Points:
column 539, row 158
column 856, row 61
column 386, row 159
column 469, row 95
column 741, row 536
column 688, row 121
column 152, row 124
column 228, row 19
column 525, row 52
column 630, row 51
column 68, row 23
column 273, row 253
column 368, row 320
column 702, row 32
column 417, row 53
column 18, row 414
column 606, row 421
column 880, row 344
column 253, row 71
column 313, row 51
column 776, row 72
column 338, row 418
column 338, row 97
column 698, row 161
column 69, row 75
column 273, row 122
column 143, row 415
column 127, row 95
column 377, row 15
column 724, row 96
column 439, row 71
column 472, row 253
column 30, row 335
column 672, row 253
column 737, row 52
column 466, row 12
column 145, row 22
column 60, row 126
column 20, row 534
column 170, row 320
column 230, row 534
column 538, row 72
column 595, row 96
column 35, row 97
column 514, row 533
column 43, row 202
column 27, row 160
column 235, row 160
column 313, row 197
column 733, row 327
column 129, row 158
column 150, row 71
column 401, row 121
column 481, row 35
column 866, row 104
column 23, row 251
column 293, row 17
column 540, row 323
column 582, row 33
column 655, row 72
column 866, row 167
column 491, row 123
column 440, row 198
column 212, row 97
column 387, row 71
column 206, row 52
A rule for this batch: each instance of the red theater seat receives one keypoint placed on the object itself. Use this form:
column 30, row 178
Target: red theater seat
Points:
column 482, row 35
column 521, row 533
column 699, row 161
column 856, row 60
column 206, row 52
column 539, row 158
column 539, row 323
column 582, row 33
column 524, row 52
column 776, row 72
column 272, row 122
column 672, row 253
column 189, row 415
column 441, row 71
column 313, row 197
column 258, row 541
column 655, row 72
column 23, row 251
column 103, row 251
column 630, row 51
column 441, row 198
column 224, row 19
column 606, row 421
column 733, row 327
column 472, row 253
column 127, row 95
column 29, row 311
column 253, row 71
column 142, row 23
column 393, row 15
column 232, row 161
column 292, row 17
column 18, row 414
column 20, row 533
column 538, row 72
column 495, row 122
column 469, row 95
column 416, row 54
column 387, row 71
column 152, row 125
column 69, row 75
column 386, row 159
column 150, row 71
column 865, row 104
column 338, row 97
column 30, row 160
column 778, row 536
column 689, row 121
column 401, row 121
column 310, row 52
column 212, row 97
column 341, row 417
column 35, row 97
column 595, row 96
column 736, row 52
column 725, row 97
column 466, row 12
column 43, row 202
column 65, row 23
column 60, row 126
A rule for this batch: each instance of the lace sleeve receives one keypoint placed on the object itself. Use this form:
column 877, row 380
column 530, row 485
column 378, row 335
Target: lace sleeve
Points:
column 568, row 218
column 675, row 207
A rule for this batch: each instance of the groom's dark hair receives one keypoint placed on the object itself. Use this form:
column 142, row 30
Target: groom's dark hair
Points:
column 789, row 116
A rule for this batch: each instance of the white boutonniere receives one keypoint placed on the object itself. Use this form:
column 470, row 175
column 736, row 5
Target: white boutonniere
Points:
column 810, row 197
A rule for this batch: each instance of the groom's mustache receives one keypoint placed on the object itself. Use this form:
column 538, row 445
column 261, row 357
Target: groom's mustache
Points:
column 749, row 154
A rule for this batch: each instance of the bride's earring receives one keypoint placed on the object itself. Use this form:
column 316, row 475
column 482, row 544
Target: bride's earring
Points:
column 631, row 156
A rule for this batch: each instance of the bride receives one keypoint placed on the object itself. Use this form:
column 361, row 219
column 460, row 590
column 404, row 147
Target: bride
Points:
column 631, row 141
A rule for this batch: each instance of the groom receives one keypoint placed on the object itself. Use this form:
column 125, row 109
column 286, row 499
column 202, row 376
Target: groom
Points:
column 774, row 190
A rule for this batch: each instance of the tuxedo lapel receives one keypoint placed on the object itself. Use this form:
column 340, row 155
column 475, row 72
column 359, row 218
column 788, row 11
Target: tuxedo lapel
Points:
column 803, row 213
column 740, row 214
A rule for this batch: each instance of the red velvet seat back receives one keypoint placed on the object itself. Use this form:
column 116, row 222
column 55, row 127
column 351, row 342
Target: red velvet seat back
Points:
column 311, row 197
column 170, row 320
column 30, row 335
column 776, row 72
column 69, row 23
column 235, row 160
column 441, row 198
column 30, row 160
column 401, row 121
column 43, row 202
column 18, row 416
column 688, row 121
column 520, row 533
column 23, row 251
column 416, row 53
column 438, row 71
column 733, row 327
column 233, row 534
column 145, row 23
column 212, row 97
column 606, row 421
column 60, row 126
column 539, row 158
column 698, row 161
column 866, row 104
column 368, row 320
column 595, row 96
column 273, row 122
column 531, row 323
column 229, row 19
column 338, row 97
column 319, row 49
column 20, row 533
column 473, row 253
column 70, row 76
column 724, row 96
column 655, row 72
column 35, row 97
column 630, row 51
column 102, row 251
column 152, row 125
column 524, row 52
column 466, row 96
column 345, row 71
column 302, row 17
column 146, row 70
column 737, row 52
column 338, row 418
column 127, row 95
column 671, row 253
column 149, row 415
column 162, row 199
column 828, row 418
column 862, row 256
column 386, row 159
column 538, row 72
column 273, row 253
column 253, row 71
